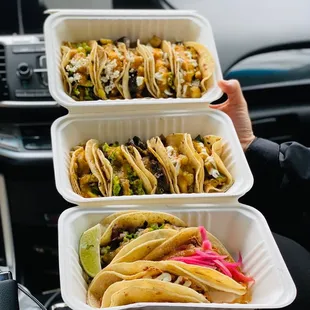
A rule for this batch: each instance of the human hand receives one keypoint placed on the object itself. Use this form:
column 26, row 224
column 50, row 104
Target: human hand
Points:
column 236, row 108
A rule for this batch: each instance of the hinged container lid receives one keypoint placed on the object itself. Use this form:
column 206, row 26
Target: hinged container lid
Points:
column 81, row 25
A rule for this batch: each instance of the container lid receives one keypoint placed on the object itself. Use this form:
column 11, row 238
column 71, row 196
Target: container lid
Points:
column 81, row 25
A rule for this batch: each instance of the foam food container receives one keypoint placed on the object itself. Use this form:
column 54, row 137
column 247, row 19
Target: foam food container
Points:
column 82, row 25
column 239, row 227
column 69, row 131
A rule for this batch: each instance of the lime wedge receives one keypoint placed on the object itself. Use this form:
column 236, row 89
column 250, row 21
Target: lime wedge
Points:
column 89, row 250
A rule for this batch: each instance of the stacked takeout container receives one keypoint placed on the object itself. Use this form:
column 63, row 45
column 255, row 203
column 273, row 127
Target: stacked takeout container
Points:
column 239, row 227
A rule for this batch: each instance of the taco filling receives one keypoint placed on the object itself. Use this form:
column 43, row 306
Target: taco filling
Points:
column 137, row 83
column 185, row 173
column 213, row 177
column 189, row 76
column 163, row 75
column 125, row 179
column 152, row 164
column 112, row 70
column 121, row 237
column 78, row 71
column 87, row 182
column 208, row 255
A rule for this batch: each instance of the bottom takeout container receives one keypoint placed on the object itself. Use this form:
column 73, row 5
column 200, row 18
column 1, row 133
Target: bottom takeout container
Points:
column 237, row 226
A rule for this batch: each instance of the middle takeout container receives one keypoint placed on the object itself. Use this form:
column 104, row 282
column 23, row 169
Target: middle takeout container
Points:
column 72, row 130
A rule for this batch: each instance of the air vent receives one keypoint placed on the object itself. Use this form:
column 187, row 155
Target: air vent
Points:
column 4, row 91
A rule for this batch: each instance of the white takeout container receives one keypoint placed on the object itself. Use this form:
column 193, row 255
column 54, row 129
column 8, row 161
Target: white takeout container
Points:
column 82, row 25
column 239, row 227
column 71, row 130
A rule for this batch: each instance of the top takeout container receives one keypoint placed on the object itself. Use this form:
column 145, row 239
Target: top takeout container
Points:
column 81, row 25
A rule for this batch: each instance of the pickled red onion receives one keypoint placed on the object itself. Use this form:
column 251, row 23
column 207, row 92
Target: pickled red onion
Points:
column 203, row 233
column 223, row 268
column 206, row 257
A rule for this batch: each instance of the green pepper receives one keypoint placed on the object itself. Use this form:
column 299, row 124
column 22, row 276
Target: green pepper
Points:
column 171, row 80
column 76, row 91
column 88, row 93
column 112, row 157
column 155, row 227
column 131, row 174
column 137, row 187
column 95, row 190
column 80, row 49
column 116, row 186
column 105, row 147
column 105, row 250
column 130, row 237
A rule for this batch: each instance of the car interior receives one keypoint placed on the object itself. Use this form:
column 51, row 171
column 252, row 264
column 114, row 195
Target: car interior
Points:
column 265, row 45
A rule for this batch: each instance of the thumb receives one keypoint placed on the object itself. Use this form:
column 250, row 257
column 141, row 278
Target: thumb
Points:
column 233, row 90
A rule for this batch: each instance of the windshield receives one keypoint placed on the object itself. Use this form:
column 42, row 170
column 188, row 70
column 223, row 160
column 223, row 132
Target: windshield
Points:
column 27, row 16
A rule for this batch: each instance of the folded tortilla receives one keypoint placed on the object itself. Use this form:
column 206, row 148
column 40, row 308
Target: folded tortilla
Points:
column 140, row 247
column 151, row 165
column 161, row 69
column 128, row 179
column 84, row 176
column 147, row 290
column 139, row 228
column 194, row 67
column 216, row 176
column 78, row 69
column 180, row 161
column 169, row 275
column 112, row 61
column 136, row 81
column 132, row 222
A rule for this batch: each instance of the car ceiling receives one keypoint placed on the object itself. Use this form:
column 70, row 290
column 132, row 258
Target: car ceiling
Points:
column 242, row 27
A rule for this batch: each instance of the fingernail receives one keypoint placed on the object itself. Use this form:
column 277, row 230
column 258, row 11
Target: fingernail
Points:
column 230, row 82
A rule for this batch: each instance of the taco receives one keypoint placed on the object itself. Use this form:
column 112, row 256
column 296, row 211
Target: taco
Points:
column 197, row 246
column 85, row 178
column 136, row 83
column 127, row 179
column 78, row 69
column 216, row 176
column 148, row 290
column 127, row 227
column 144, row 244
column 98, row 170
column 151, row 165
column 161, row 68
column 112, row 61
column 172, row 276
column 179, row 160
column 138, row 222
column 194, row 67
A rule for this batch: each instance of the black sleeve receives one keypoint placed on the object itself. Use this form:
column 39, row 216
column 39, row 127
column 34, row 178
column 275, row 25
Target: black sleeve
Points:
column 281, row 166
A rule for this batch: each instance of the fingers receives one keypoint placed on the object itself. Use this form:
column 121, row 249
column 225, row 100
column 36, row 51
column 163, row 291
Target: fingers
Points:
column 220, row 106
column 233, row 90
